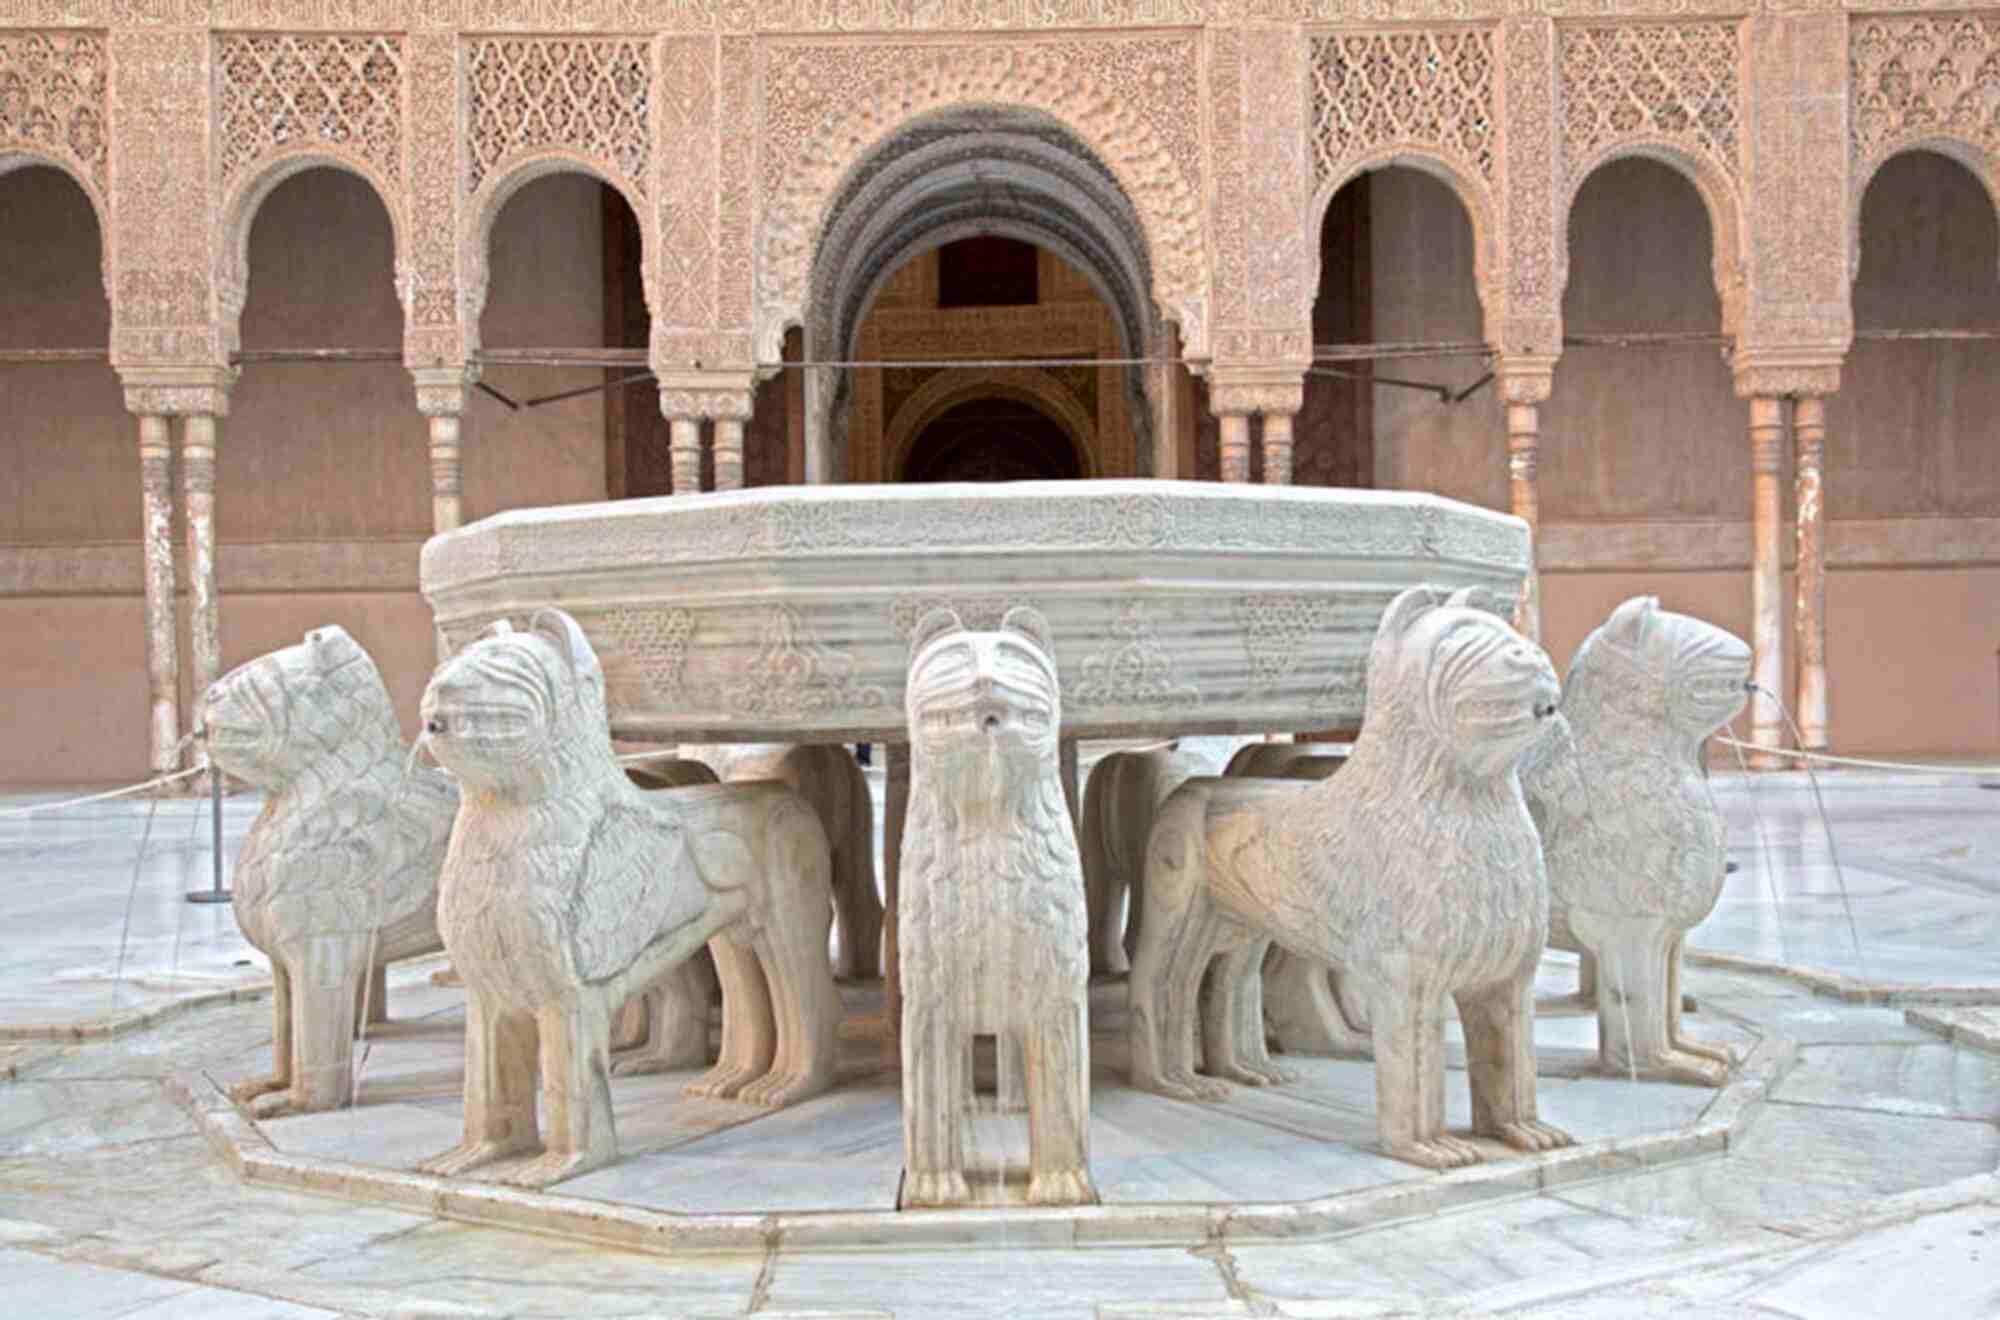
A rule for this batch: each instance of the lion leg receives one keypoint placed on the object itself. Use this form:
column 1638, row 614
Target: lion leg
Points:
column 1586, row 977
column 324, row 994
column 576, row 1092
column 632, row 1027
column 1677, row 1038
column 1104, row 881
column 1173, row 952
column 1304, row 1009
column 1232, row 1015
column 372, row 998
column 1057, row 1057
column 1499, row 1022
column 749, row 1035
column 281, row 1041
column 935, row 1083
column 806, row 1012
column 1633, row 988
column 1408, row 1031
column 500, row 1049
column 674, row 1019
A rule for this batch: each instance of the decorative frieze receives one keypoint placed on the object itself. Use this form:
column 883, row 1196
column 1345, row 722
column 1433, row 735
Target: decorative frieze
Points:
column 1660, row 83
column 278, row 91
column 52, row 101
column 586, row 96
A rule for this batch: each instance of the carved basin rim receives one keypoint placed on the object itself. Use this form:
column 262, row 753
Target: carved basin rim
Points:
column 783, row 613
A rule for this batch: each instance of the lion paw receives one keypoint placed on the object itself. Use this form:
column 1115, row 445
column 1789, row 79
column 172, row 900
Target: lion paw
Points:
column 1062, row 1187
column 721, row 1082
column 1681, row 1065
column 1439, row 1152
column 643, row 1061
column 244, row 1092
column 935, row 1187
column 469, row 1155
column 1722, row 1054
column 782, row 1088
column 554, row 1166
column 276, row 1104
column 1531, row 1134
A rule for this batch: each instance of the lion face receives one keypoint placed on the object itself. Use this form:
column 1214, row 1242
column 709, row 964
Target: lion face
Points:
column 984, row 707
column 1475, row 685
column 1698, row 673
column 495, row 713
column 270, row 718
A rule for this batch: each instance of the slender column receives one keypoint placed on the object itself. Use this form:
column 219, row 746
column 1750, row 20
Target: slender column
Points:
column 1277, row 449
column 685, row 446
column 1767, row 435
column 163, row 666
column 447, row 512
column 1235, row 446
column 1524, row 438
column 729, row 453
column 1809, row 623
column 198, row 490
column 895, row 808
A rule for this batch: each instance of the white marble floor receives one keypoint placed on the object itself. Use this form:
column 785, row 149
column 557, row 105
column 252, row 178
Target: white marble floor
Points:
column 1864, row 1185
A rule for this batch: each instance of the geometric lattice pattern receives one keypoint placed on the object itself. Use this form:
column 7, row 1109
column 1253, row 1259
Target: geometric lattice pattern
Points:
column 586, row 94
column 279, row 91
column 1912, row 77
column 1675, row 83
column 52, row 96
column 1428, row 88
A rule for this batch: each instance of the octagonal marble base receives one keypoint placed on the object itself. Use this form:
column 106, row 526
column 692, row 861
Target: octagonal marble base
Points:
column 1293, row 1161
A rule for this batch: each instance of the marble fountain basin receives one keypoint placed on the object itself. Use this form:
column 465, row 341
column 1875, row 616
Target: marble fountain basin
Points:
column 784, row 612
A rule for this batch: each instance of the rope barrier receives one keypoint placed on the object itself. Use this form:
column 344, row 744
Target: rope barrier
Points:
column 127, row 791
column 1824, row 758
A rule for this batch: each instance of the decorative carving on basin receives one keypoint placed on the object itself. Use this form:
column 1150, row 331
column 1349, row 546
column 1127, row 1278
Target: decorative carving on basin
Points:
column 785, row 613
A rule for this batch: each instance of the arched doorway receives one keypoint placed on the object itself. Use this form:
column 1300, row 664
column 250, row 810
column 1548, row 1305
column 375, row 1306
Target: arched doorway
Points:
column 992, row 439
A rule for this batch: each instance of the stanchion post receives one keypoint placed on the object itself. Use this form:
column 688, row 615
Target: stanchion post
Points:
column 216, row 893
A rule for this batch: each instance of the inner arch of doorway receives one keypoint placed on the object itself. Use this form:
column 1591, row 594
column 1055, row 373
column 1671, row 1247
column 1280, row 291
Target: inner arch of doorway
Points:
column 1030, row 385
column 1975, row 160
column 1471, row 195
column 1718, row 198
column 19, row 156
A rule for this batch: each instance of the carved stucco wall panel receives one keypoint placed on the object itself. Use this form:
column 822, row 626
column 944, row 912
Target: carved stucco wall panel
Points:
column 1534, row 243
column 53, row 108
column 827, row 106
column 428, row 276
column 684, row 296
column 1264, row 250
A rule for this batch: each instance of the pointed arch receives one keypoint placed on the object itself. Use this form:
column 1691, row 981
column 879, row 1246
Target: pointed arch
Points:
column 1728, row 259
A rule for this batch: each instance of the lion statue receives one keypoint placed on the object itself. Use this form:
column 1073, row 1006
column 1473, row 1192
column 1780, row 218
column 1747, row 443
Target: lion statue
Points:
column 665, row 1028
column 1416, row 871
column 826, row 775
column 339, row 876
column 1262, row 760
column 992, row 928
column 568, row 889
column 1120, row 800
column 1634, row 841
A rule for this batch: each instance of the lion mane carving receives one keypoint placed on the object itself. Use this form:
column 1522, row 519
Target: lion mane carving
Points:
column 1634, row 842
column 339, row 876
column 991, row 923
column 567, row 889
column 1415, row 871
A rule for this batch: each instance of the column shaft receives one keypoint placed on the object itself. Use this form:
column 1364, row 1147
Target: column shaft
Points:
column 729, row 453
column 684, row 444
column 1809, row 439
column 1235, row 446
column 1524, row 438
column 1767, row 434
column 163, row 666
column 1277, row 449
column 447, row 512
column 198, row 489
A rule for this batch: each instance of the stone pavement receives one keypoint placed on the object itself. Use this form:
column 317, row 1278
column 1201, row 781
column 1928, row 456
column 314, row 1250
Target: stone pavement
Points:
column 1863, row 1184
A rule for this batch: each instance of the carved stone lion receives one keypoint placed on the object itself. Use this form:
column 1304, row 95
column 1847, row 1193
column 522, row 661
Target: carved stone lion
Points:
column 992, row 925
column 1120, row 800
column 825, row 775
column 339, row 876
column 568, row 889
column 1415, row 870
column 1634, row 842
column 665, row 1028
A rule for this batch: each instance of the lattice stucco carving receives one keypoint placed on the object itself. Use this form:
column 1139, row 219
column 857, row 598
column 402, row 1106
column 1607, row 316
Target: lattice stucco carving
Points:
column 587, row 95
column 429, row 276
column 685, row 263
column 1922, row 79
column 1650, row 82
column 279, row 90
column 52, row 87
column 1428, row 89
column 1532, row 319
column 162, row 303
column 827, row 106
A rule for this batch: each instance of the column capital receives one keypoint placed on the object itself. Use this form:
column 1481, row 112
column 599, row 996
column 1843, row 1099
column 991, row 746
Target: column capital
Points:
column 713, row 394
column 1786, row 372
column 177, row 391
column 444, row 391
column 1269, row 390
column 1526, row 377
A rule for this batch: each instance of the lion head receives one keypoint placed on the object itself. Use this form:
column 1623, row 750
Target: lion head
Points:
column 1450, row 671
column 1660, row 668
column 984, row 708
column 519, row 713
column 269, row 720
